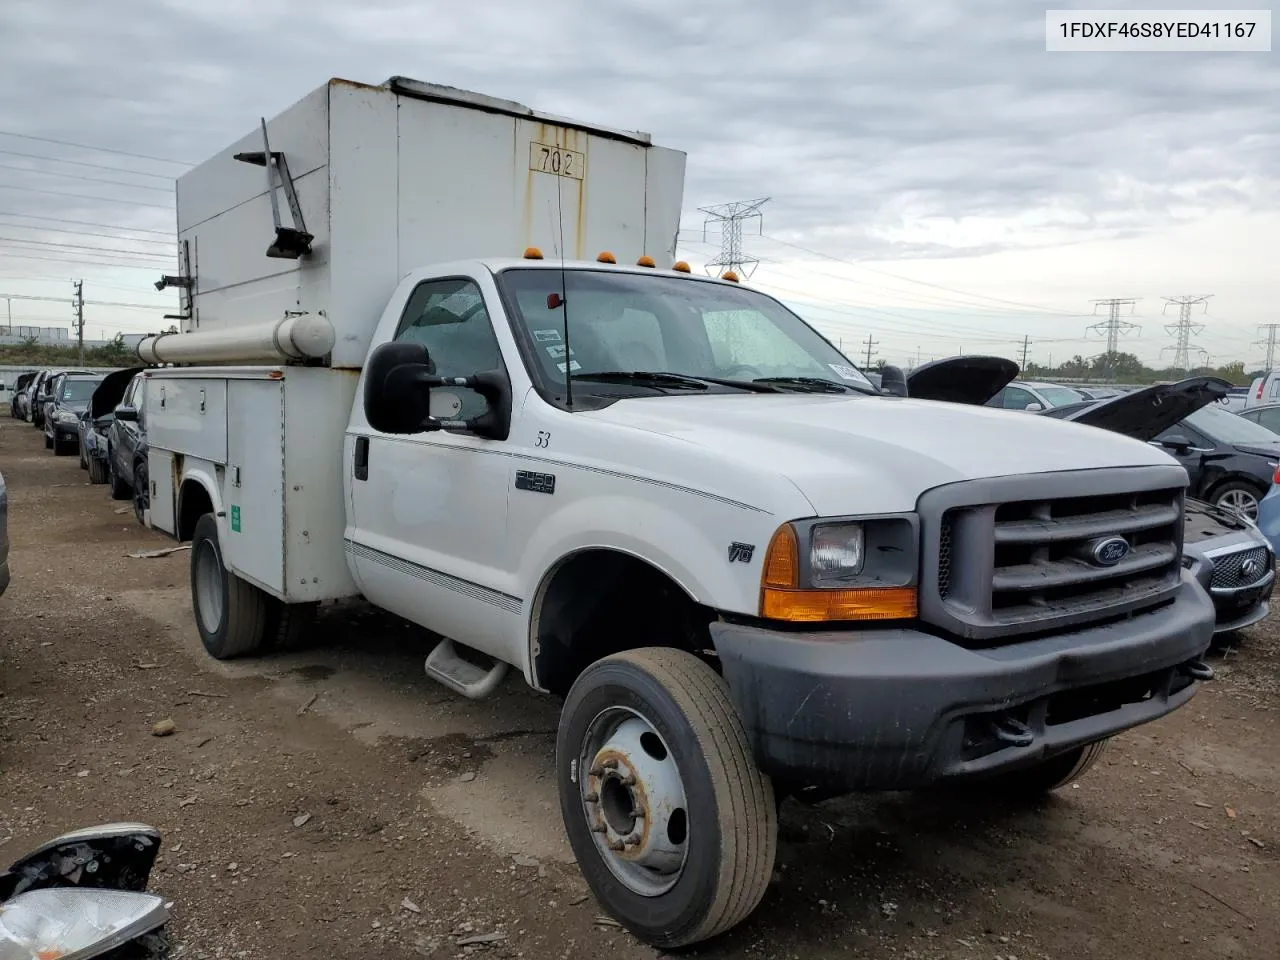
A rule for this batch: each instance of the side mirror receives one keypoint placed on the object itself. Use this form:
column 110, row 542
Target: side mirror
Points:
column 1176, row 442
column 893, row 381
column 399, row 378
column 126, row 414
column 1033, row 407
column 397, row 396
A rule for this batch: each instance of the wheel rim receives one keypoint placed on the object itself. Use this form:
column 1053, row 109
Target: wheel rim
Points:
column 633, row 799
column 208, row 586
column 140, row 495
column 1240, row 501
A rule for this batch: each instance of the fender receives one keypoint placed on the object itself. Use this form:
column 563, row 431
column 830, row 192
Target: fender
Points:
column 207, row 476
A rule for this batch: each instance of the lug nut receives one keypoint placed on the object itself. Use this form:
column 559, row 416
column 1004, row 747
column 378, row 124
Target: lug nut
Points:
column 599, row 828
column 632, row 841
column 592, row 797
column 616, row 846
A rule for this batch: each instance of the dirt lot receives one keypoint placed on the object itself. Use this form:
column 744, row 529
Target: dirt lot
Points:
column 334, row 802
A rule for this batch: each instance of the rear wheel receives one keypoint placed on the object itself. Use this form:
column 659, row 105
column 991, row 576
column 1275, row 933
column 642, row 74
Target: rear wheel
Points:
column 141, row 491
column 674, row 827
column 1238, row 496
column 231, row 614
column 97, row 470
column 119, row 488
column 84, row 459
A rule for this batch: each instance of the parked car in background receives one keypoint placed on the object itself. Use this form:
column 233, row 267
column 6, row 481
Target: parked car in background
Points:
column 1234, row 562
column 126, row 447
column 69, row 399
column 19, row 399
column 1230, row 460
column 1264, row 415
column 95, row 422
column 4, row 536
column 1097, row 393
column 37, row 391
column 42, row 396
column 1263, row 389
column 1236, row 400
column 1032, row 396
column 1269, row 513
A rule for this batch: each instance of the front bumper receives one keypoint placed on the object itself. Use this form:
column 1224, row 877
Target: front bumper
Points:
column 892, row 709
column 65, row 432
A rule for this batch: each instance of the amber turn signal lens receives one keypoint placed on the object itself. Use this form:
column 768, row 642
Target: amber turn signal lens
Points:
column 730, row 276
column 782, row 559
column 532, row 253
column 818, row 606
column 604, row 256
column 681, row 267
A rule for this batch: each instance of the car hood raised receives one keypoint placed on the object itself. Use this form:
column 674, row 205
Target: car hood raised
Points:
column 1147, row 413
column 850, row 454
column 972, row 380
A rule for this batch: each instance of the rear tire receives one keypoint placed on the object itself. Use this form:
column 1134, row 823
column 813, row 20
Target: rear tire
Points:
column 84, row 460
column 702, row 860
column 119, row 489
column 97, row 471
column 141, row 491
column 231, row 615
column 1239, row 496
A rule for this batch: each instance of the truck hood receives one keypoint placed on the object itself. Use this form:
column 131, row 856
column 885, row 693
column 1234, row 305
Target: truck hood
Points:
column 850, row 453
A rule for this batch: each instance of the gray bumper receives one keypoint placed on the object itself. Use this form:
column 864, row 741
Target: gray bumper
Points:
column 898, row 708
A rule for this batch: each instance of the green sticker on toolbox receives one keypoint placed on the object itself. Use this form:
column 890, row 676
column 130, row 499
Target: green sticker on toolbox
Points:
column 235, row 519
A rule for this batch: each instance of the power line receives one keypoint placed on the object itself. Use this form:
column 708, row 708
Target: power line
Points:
column 113, row 264
column 86, row 163
column 86, row 223
column 93, row 303
column 81, row 176
column 82, row 196
column 1184, row 330
column 1026, row 345
column 85, row 146
column 87, row 233
column 924, row 283
column 730, row 217
column 24, row 242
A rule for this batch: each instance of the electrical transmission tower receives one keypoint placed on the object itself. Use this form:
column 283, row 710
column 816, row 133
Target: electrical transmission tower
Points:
column 78, row 303
column 730, row 217
column 1184, row 330
column 1269, row 342
column 1113, row 327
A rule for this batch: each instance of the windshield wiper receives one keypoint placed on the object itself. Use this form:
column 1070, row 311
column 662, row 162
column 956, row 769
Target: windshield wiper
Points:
column 677, row 381
column 809, row 384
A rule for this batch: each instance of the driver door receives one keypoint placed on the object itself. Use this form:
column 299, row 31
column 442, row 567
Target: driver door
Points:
column 428, row 532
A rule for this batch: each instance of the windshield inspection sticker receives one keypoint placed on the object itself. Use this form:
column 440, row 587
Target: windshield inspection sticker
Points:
column 846, row 372
column 547, row 336
column 556, row 351
column 571, row 365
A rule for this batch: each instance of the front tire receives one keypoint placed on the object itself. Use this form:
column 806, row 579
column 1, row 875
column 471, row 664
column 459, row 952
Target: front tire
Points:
column 119, row 489
column 1239, row 496
column 689, row 853
column 141, row 491
column 231, row 615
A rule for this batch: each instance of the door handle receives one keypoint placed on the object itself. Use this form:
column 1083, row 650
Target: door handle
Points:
column 362, row 458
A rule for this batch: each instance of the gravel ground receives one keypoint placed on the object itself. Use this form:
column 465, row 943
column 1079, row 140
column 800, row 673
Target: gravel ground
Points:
column 333, row 801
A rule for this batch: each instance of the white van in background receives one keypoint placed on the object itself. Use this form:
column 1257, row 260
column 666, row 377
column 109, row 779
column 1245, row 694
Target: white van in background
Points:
column 1264, row 389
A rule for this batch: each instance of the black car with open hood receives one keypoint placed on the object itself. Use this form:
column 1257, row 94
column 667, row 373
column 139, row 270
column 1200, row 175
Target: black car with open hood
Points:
column 968, row 380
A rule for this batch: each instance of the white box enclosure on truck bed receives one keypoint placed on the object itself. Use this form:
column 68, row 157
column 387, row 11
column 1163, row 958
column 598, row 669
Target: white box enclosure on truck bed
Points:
column 388, row 179
column 399, row 176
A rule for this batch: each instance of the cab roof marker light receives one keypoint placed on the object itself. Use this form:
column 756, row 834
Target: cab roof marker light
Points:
column 646, row 262
column 532, row 253
column 604, row 256
column 730, row 276
column 681, row 266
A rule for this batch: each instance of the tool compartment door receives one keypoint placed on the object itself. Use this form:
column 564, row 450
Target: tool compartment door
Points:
column 253, row 483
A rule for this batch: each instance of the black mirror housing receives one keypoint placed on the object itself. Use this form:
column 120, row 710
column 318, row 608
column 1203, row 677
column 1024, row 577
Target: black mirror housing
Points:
column 126, row 414
column 395, row 398
column 1176, row 442
column 893, row 381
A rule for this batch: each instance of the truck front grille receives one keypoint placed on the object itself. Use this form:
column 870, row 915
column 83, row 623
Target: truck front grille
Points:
column 1029, row 563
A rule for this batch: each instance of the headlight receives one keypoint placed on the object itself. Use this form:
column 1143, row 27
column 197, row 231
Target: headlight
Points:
column 830, row 570
column 65, row 416
column 836, row 552
column 62, row 921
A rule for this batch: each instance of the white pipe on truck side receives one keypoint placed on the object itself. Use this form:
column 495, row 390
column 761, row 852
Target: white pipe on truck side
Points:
column 306, row 336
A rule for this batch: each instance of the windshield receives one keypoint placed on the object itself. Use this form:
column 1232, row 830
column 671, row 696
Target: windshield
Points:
column 632, row 322
column 1057, row 396
column 1226, row 427
column 78, row 391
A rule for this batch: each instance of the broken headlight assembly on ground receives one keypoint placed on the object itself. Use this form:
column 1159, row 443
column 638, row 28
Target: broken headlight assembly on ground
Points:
column 82, row 896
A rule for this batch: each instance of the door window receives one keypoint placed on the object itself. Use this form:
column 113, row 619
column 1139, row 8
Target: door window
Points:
column 1015, row 398
column 449, row 318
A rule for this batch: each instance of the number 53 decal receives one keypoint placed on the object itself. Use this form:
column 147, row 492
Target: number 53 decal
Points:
column 543, row 439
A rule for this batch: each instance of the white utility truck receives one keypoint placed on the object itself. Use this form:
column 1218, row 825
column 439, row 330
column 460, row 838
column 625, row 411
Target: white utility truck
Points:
column 435, row 352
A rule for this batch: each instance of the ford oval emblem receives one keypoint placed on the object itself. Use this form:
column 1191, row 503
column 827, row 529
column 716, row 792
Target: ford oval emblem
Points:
column 1110, row 551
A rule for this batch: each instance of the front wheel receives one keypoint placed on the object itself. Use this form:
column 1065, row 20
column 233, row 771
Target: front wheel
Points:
column 231, row 614
column 119, row 488
column 141, row 491
column 1238, row 496
column 673, row 825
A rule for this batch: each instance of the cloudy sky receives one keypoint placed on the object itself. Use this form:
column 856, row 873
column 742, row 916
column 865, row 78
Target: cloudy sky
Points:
column 937, row 180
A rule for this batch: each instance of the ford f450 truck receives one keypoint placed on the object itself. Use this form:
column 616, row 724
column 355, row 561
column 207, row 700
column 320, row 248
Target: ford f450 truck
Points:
column 662, row 497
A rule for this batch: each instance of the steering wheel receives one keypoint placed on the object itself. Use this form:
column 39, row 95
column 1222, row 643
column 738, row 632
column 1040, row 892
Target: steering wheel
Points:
column 744, row 368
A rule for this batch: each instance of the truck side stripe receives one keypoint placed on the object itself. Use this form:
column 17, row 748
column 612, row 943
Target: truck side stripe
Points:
column 466, row 588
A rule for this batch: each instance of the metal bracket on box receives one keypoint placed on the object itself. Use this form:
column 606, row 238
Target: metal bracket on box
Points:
column 290, row 242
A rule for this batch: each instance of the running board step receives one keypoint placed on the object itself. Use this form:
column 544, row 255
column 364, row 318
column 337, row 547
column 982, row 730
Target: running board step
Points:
column 446, row 666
